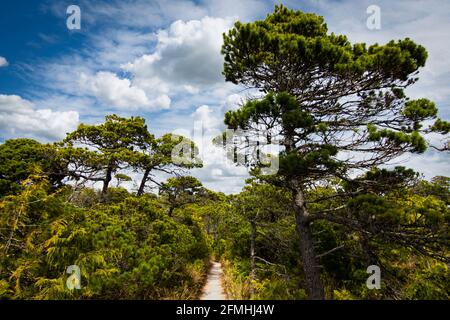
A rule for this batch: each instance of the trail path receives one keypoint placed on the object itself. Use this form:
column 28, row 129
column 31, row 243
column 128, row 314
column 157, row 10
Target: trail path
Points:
column 213, row 289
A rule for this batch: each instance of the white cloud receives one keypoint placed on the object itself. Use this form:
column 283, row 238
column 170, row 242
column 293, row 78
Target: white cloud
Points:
column 19, row 118
column 13, row 103
column 114, row 47
column 235, row 101
column 204, row 114
column 156, row 13
column 119, row 92
column 3, row 62
column 138, row 13
column 186, row 54
column 218, row 172
column 429, row 164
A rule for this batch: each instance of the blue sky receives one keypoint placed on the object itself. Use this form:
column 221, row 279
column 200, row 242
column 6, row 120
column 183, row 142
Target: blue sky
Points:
column 161, row 60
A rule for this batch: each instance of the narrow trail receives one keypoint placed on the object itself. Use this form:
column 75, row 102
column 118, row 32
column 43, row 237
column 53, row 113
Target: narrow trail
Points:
column 213, row 289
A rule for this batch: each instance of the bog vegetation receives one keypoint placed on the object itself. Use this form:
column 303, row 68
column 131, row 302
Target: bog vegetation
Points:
column 339, row 112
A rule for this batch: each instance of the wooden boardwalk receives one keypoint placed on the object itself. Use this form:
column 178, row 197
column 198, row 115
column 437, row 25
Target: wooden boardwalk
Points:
column 213, row 289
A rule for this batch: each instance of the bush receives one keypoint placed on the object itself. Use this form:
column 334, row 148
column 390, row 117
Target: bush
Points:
column 126, row 249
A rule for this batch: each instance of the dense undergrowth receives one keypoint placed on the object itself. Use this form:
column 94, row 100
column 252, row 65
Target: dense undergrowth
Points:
column 126, row 247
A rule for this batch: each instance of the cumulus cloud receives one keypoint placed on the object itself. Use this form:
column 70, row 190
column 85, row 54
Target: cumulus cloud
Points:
column 18, row 117
column 204, row 115
column 218, row 172
column 3, row 62
column 186, row 54
column 119, row 92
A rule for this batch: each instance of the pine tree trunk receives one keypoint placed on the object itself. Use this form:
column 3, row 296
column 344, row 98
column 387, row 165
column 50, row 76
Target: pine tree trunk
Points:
column 107, row 180
column 310, row 265
column 143, row 182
